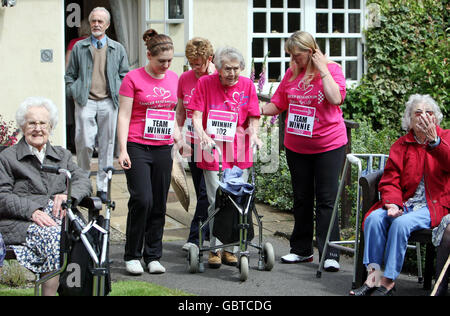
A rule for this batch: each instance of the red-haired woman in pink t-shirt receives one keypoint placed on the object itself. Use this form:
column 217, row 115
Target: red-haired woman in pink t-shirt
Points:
column 312, row 91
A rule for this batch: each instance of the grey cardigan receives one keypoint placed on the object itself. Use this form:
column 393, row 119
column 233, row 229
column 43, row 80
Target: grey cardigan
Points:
column 24, row 188
column 79, row 71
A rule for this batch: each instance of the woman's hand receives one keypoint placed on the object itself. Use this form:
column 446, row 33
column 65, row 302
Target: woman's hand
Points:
column 320, row 61
column 42, row 219
column 393, row 210
column 206, row 142
column 427, row 126
column 124, row 160
column 57, row 205
column 330, row 87
column 255, row 141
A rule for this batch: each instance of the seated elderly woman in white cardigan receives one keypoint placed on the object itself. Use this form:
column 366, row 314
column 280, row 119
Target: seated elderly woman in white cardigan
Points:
column 31, row 200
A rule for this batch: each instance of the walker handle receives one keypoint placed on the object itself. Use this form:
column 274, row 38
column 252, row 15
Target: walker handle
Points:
column 50, row 169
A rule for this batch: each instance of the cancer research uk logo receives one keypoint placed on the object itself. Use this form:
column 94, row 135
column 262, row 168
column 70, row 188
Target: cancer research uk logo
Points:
column 160, row 93
column 238, row 100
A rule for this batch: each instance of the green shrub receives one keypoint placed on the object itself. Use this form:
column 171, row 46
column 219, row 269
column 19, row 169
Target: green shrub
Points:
column 275, row 189
column 407, row 54
column 12, row 274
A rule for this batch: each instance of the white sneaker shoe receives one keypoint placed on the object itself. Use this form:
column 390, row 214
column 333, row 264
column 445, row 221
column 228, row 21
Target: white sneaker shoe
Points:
column 188, row 245
column 293, row 258
column 155, row 267
column 331, row 265
column 134, row 267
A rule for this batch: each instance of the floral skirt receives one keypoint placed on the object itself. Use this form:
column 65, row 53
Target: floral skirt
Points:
column 41, row 251
column 438, row 232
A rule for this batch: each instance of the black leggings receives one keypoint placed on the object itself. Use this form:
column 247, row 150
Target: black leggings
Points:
column 315, row 180
column 148, row 182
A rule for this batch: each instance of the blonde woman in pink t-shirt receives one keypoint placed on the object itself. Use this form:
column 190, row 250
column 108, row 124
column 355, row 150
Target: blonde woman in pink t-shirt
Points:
column 311, row 92
column 146, row 133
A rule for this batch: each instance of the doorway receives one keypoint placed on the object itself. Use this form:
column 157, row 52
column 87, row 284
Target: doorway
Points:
column 75, row 12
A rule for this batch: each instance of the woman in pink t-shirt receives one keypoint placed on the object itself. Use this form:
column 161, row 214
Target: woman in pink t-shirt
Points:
column 311, row 92
column 199, row 52
column 226, row 113
column 146, row 132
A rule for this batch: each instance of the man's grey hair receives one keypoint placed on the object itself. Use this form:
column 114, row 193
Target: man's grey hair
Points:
column 228, row 53
column 417, row 99
column 29, row 102
column 100, row 9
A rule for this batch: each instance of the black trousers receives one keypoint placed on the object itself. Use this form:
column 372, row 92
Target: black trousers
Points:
column 148, row 183
column 315, row 180
column 201, row 209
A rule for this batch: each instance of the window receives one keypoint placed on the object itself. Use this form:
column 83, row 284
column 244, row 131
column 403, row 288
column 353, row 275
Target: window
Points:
column 335, row 24
column 171, row 17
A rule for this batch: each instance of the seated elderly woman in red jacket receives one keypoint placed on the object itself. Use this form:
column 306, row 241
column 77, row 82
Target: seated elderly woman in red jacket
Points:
column 30, row 200
column 415, row 194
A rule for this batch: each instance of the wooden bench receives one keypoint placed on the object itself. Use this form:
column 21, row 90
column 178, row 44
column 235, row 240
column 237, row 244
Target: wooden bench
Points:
column 369, row 186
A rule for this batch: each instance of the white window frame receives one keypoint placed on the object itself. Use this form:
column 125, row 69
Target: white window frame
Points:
column 165, row 21
column 308, row 13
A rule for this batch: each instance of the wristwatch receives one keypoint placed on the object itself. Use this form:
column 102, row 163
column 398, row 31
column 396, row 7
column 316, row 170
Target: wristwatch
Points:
column 434, row 141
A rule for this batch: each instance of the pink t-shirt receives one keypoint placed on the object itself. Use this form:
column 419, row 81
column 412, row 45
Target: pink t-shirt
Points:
column 148, row 93
column 212, row 98
column 186, row 88
column 313, row 125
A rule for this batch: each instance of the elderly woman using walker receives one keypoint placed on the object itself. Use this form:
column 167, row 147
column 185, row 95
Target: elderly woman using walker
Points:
column 30, row 201
column 415, row 194
column 229, row 100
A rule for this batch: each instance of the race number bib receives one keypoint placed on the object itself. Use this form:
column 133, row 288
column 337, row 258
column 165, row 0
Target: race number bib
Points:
column 190, row 134
column 159, row 124
column 301, row 120
column 221, row 125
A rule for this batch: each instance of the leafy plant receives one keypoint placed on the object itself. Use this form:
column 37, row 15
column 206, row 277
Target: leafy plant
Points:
column 13, row 274
column 8, row 133
column 408, row 53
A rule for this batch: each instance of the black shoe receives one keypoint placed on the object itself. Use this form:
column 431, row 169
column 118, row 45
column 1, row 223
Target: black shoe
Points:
column 382, row 291
column 364, row 290
column 102, row 195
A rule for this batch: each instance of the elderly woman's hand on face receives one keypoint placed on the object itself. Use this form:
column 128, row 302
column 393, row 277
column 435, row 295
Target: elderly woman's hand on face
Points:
column 427, row 126
column 423, row 122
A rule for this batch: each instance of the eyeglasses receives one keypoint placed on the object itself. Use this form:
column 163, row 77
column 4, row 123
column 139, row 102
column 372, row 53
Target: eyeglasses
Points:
column 33, row 125
column 230, row 70
column 420, row 112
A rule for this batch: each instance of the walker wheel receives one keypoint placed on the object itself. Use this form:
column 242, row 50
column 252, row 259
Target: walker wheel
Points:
column 243, row 268
column 269, row 256
column 192, row 258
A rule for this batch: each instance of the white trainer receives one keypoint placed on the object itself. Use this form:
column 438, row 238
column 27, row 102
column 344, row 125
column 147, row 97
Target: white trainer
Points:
column 293, row 258
column 134, row 267
column 331, row 265
column 155, row 267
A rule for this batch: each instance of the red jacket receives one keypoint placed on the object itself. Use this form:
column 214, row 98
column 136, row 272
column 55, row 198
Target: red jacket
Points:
column 408, row 162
